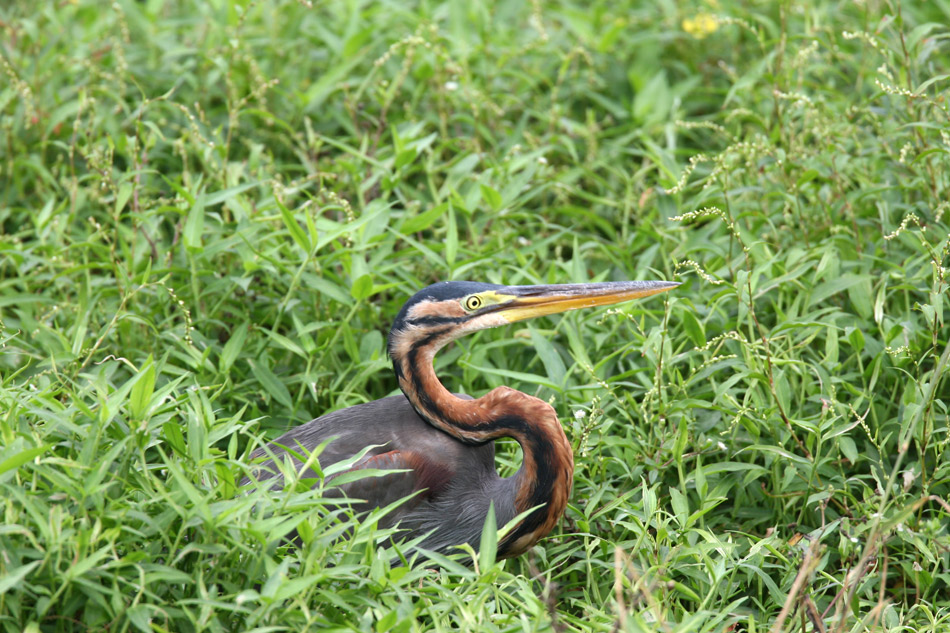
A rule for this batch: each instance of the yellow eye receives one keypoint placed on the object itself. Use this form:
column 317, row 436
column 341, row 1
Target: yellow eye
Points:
column 473, row 303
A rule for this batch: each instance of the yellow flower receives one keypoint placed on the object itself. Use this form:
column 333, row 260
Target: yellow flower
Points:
column 701, row 25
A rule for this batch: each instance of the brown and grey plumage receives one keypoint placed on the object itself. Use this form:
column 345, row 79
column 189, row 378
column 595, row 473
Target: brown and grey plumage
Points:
column 442, row 442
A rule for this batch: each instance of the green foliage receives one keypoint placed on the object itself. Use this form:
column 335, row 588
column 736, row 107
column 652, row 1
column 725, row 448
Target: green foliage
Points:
column 211, row 211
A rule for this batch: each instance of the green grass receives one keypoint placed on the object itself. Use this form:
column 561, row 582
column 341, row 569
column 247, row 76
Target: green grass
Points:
column 211, row 212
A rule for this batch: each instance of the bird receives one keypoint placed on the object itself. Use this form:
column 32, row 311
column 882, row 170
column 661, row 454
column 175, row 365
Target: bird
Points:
column 438, row 447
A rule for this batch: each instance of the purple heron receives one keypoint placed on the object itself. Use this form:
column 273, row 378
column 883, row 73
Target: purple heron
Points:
column 440, row 444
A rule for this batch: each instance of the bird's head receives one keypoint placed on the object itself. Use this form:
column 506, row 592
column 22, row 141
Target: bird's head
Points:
column 446, row 310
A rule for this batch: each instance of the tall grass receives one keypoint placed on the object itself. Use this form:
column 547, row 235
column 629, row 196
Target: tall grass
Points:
column 211, row 211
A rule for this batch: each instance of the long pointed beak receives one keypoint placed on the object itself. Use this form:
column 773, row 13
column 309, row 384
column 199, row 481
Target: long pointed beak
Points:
column 534, row 301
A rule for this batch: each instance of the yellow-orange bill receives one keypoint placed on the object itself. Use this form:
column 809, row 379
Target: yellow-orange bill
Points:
column 527, row 302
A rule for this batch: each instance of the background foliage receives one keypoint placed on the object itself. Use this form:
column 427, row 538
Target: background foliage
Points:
column 212, row 210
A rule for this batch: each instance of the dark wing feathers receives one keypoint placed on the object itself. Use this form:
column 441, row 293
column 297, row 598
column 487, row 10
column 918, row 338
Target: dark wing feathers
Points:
column 415, row 475
column 419, row 473
column 432, row 462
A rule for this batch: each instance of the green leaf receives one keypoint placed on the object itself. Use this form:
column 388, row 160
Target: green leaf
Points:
column 15, row 461
column 807, row 177
column 285, row 342
column 175, row 437
column 855, row 339
column 488, row 546
column 682, row 437
column 531, row 379
column 362, row 288
column 832, row 287
column 293, row 586
column 424, row 220
column 233, row 348
column 451, row 238
column 271, row 383
column 364, row 473
column 694, row 329
column 15, row 576
column 861, row 298
column 296, row 232
column 782, row 391
column 405, row 157
column 194, row 225
column 849, row 448
column 223, row 195
column 141, row 396
column 122, row 198
column 331, row 290
column 140, row 617
column 551, row 360
column 491, row 196
column 680, row 506
column 79, row 568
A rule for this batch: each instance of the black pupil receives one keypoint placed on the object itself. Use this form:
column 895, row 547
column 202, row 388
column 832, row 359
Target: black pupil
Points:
column 473, row 302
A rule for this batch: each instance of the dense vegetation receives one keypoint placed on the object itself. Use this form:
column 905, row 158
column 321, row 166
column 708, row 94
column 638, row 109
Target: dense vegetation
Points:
column 211, row 211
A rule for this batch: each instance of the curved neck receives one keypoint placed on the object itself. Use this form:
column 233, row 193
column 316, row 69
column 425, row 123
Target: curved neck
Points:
column 545, row 477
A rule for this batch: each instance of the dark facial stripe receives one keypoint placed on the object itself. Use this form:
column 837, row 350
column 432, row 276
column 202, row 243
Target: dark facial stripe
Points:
column 438, row 320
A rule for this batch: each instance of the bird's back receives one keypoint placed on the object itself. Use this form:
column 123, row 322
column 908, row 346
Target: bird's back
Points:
column 453, row 483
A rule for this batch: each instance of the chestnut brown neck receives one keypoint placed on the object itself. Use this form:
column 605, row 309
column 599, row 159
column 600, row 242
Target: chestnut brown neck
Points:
column 545, row 477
